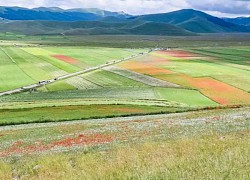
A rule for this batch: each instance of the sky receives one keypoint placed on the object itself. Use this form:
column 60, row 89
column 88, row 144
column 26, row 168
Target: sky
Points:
column 221, row 8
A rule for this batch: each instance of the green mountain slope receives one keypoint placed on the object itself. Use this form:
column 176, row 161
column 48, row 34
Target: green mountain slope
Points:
column 152, row 28
column 56, row 14
column 91, row 28
column 245, row 21
column 194, row 21
column 55, row 20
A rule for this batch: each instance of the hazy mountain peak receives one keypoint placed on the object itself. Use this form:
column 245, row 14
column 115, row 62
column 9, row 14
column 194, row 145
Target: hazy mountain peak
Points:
column 194, row 21
column 244, row 21
column 48, row 9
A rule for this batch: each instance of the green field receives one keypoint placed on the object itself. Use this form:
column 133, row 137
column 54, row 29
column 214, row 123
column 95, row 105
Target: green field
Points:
column 70, row 113
column 108, row 79
column 236, row 55
column 21, row 66
column 12, row 76
column 185, row 96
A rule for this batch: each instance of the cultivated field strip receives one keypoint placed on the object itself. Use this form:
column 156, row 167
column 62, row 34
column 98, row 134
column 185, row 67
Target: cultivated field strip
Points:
column 187, row 118
column 81, row 83
column 87, row 101
column 175, row 96
column 148, row 80
column 109, row 79
column 230, row 55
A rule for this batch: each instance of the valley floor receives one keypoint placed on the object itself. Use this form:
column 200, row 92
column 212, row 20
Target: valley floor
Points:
column 175, row 113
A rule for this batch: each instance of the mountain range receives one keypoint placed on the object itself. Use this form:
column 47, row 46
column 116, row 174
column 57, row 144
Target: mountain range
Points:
column 56, row 14
column 245, row 21
column 55, row 20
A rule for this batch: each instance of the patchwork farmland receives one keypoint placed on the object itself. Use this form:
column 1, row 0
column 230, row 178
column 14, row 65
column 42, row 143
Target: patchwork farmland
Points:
column 180, row 96
column 187, row 78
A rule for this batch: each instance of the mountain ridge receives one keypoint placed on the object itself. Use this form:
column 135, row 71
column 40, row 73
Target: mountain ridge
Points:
column 90, row 28
column 194, row 21
column 56, row 14
column 90, row 21
column 245, row 21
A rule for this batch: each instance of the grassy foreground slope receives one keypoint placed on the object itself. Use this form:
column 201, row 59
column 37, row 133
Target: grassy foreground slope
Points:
column 195, row 145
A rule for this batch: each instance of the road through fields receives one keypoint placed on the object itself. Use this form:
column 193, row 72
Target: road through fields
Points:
column 67, row 76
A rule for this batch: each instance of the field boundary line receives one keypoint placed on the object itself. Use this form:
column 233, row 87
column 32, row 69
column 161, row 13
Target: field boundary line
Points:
column 87, row 102
column 45, row 61
column 148, row 77
column 104, row 69
column 221, row 81
column 208, row 97
column 228, row 84
column 216, row 60
column 18, row 66
column 91, row 81
column 8, row 56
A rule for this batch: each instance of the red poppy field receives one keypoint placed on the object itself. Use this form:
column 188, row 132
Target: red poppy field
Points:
column 21, row 147
column 66, row 59
column 218, row 91
column 179, row 54
column 144, row 68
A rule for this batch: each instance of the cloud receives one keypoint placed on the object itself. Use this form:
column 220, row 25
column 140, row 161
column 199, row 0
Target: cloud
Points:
column 227, row 7
column 222, row 6
column 129, row 6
